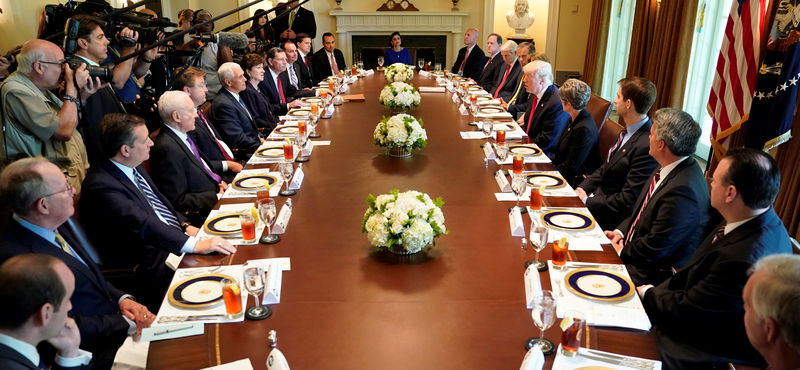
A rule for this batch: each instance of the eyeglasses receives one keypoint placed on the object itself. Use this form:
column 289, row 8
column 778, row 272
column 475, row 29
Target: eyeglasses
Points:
column 69, row 189
column 60, row 62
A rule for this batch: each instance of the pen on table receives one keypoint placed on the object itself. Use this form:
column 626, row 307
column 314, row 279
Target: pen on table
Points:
column 170, row 330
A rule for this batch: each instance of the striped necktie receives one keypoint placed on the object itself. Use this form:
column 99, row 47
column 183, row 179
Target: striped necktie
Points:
column 718, row 234
column 534, row 103
column 63, row 243
column 653, row 183
column 292, row 76
column 158, row 207
column 616, row 144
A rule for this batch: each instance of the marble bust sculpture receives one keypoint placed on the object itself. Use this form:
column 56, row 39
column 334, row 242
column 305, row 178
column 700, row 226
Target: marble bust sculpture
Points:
column 520, row 19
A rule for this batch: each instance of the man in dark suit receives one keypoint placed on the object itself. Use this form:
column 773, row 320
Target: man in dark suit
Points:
column 698, row 313
column 104, row 314
column 303, row 64
column 292, row 73
column 231, row 115
column 471, row 59
column 289, row 26
column 494, row 63
column 544, row 119
column 134, row 226
column 668, row 221
column 519, row 100
column 771, row 303
column 40, row 287
column 205, row 135
column 276, row 85
column 510, row 73
column 611, row 191
column 188, row 179
column 321, row 61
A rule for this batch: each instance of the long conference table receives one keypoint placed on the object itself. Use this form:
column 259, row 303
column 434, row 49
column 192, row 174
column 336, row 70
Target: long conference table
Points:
column 459, row 305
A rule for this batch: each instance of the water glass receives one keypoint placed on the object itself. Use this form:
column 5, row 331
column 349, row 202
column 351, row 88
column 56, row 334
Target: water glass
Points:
column 253, row 276
column 267, row 211
column 287, row 170
column 543, row 313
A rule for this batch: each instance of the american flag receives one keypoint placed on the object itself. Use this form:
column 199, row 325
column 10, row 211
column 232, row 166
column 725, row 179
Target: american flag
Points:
column 737, row 66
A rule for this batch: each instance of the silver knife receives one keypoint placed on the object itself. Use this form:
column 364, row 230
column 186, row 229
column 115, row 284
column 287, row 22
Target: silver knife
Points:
column 619, row 360
column 166, row 319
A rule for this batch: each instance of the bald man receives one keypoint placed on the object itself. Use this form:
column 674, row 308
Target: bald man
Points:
column 471, row 58
column 38, row 122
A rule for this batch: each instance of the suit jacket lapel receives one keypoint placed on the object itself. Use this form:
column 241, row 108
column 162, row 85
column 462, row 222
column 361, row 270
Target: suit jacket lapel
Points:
column 171, row 135
column 621, row 152
column 89, row 269
column 117, row 173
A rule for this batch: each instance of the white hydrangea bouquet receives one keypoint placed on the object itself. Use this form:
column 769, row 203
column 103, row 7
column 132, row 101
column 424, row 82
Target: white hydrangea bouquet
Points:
column 403, row 223
column 399, row 95
column 400, row 131
column 398, row 72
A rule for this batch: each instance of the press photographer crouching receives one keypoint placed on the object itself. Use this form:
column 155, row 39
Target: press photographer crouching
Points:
column 38, row 122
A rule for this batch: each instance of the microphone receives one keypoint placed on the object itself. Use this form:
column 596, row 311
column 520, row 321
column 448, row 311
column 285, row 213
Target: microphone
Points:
column 233, row 40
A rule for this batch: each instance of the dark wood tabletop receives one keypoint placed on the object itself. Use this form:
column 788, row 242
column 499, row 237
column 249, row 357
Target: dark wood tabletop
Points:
column 459, row 305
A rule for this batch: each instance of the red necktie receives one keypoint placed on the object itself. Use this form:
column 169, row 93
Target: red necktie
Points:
column 653, row 183
column 305, row 60
column 280, row 91
column 216, row 141
column 533, row 109
column 334, row 66
column 463, row 62
column 718, row 234
column 616, row 144
column 502, row 82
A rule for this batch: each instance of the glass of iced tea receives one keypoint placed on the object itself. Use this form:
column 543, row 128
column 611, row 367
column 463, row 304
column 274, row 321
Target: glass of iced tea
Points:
column 517, row 165
column 314, row 109
column 263, row 191
column 536, row 199
column 232, row 295
column 572, row 327
column 248, row 227
column 560, row 249
column 354, row 70
column 288, row 150
column 501, row 136
column 302, row 128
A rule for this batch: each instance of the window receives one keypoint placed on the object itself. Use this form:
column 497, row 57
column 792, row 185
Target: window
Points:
column 712, row 16
column 618, row 47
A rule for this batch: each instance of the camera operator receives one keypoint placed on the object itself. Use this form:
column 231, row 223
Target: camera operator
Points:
column 92, row 48
column 128, row 73
column 36, row 121
column 214, row 55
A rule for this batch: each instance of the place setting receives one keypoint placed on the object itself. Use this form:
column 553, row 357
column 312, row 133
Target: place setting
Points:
column 286, row 130
column 554, row 184
column 198, row 295
column 575, row 223
column 492, row 111
column 530, row 152
column 274, row 152
column 238, row 223
column 248, row 182
column 299, row 113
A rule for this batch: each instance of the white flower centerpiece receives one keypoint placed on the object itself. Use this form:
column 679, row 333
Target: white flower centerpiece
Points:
column 400, row 133
column 399, row 72
column 403, row 223
column 399, row 96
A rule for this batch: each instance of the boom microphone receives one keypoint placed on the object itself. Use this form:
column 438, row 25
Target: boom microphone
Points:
column 233, row 40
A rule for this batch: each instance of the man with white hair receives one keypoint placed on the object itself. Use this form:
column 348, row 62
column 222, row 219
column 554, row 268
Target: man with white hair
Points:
column 509, row 75
column 181, row 172
column 771, row 303
column 544, row 119
column 470, row 58
column 230, row 113
column 38, row 123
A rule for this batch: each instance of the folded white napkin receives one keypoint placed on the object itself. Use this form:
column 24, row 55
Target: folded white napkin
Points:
column 431, row 89
column 533, row 360
column 243, row 364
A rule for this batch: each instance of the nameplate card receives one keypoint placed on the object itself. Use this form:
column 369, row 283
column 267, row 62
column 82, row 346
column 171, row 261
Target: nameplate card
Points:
column 515, row 222
column 463, row 110
column 502, row 182
column 297, row 179
column 173, row 261
column 488, row 151
column 456, row 99
column 533, row 286
column 283, row 220
column 272, row 287
column 276, row 360
column 307, row 148
column 329, row 112
column 424, row 74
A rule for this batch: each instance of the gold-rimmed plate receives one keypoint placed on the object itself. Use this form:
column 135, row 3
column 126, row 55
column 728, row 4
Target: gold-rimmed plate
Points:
column 549, row 181
column 568, row 220
column 300, row 112
column 475, row 88
column 198, row 291
column 253, row 182
column 481, row 98
column 598, row 284
column 491, row 109
column 286, row 129
column 224, row 224
column 525, row 150
column 270, row 152
column 312, row 99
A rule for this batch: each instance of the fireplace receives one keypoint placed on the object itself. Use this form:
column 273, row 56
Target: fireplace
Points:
column 431, row 48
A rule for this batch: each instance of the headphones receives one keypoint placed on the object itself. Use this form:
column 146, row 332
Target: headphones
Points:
column 198, row 11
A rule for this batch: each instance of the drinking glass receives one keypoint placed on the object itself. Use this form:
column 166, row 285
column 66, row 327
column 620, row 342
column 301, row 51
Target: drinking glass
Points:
column 301, row 139
column 560, row 253
column 268, row 211
column 486, row 127
column 543, row 314
column 288, row 150
column 437, row 67
column 502, row 153
column 519, row 184
column 287, row 170
column 538, row 240
column 253, row 276
column 312, row 125
column 380, row 61
column 361, row 65
column 248, row 227
column 232, row 295
column 536, row 199
column 571, row 337
column 420, row 63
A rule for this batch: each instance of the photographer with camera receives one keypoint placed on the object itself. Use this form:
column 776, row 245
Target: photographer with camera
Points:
column 128, row 73
column 36, row 121
column 91, row 47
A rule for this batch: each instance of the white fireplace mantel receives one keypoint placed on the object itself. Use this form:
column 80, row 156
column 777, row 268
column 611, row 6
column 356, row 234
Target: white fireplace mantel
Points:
column 349, row 23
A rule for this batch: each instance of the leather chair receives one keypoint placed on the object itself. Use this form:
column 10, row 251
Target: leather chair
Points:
column 607, row 137
column 599, row 108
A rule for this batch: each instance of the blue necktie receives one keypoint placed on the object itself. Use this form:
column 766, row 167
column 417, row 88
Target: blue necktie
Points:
column 160, row 209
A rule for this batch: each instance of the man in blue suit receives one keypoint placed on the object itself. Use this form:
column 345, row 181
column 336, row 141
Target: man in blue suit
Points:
column 545, row 117
column 42, row 204
column 134, row 226
column 231, row 115
column 276, row 86
column 40, row 287
column 698, row 313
